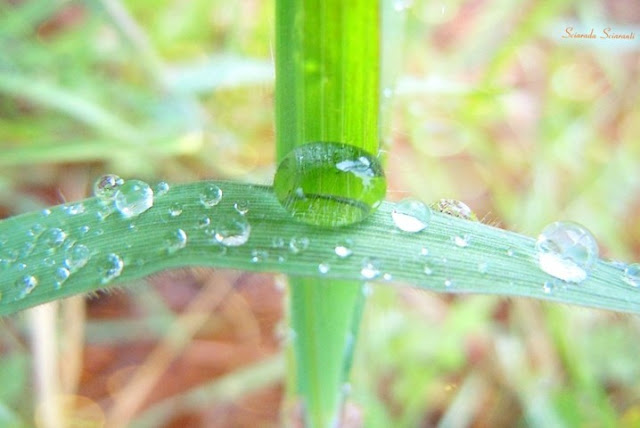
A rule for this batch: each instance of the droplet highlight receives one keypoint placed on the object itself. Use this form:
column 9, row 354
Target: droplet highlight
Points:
column 105, row 187
column 370, row 268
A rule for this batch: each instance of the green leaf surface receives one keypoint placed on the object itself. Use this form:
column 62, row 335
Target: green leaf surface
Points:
column 511, row 263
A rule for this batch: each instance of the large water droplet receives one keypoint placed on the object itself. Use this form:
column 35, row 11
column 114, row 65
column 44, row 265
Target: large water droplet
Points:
column 175, row 240
column 343, row 248
column 370, row 268
column 111, row 268
column 210, row 196
column 133, row 198
column 566, row 251
column 76, row 257
column 25, row 285
column 454, row 208
column 411, row 215
column 232, row 231
column 632, row 274
column 298, row 244
column 329, row 184
column 106, row 186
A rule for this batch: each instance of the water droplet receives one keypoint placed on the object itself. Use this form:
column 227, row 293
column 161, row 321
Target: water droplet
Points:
column 549, row 286
column 161, row 189
column 411, row 215
column 76, row 257
column 74, row 209
column 53, row 239
column 449, row 283
column 232, row 231
column 105, row 187
column 424, row 251
column 259, row 255
column 82, row 230
column 104, row 211
column 400, row 5
column 203, row 222
column 210, row 196
column 387, row 277
column 49, row 261
column 175, row 240
column 343, row 248
column 329, row 184
column 133, row 198
column 483, row 267
column 426, row 269
column 454, row 208
column 461, row 241
column 632, row 274
column 298, row 244
column 45, row 212
column 324, row 268
column 510, row 252
column 26, row 284
column 175, row 209
column 566, row 251
column 242, row 207
column 277, row 242
column 370, row 268
column 61, row 275
column 36, row 230
column 111, row 268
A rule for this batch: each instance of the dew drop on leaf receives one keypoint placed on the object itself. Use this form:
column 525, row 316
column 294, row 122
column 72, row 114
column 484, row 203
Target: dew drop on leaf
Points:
column 61, row 275
column 411, row 215
column 210, row 196
column 370, row 268
column 566, row 251
column 161, row 189
column 110, row 268
column 631, row 274
column 241, row 207
column 105, row 187
column 483, row 267
column 461, row 241
column 324, row 268
column 329, row 184
column 259, row 255
column 343, row 248
column 232, row 231
column 76, row 257
column 298, row 244
column 175, row 209
column 203, row 222
column 454, row 208
column 133, row 198
column 75, row 209
column 175, row 240
column 25, row 285
column 53, row 238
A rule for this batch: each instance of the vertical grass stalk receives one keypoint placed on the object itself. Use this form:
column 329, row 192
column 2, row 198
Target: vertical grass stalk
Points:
column 327, row 90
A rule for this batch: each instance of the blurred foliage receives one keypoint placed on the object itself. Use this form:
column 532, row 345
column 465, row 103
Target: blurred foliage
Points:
column 493, row 107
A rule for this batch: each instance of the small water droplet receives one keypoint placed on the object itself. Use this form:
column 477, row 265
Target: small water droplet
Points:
column 277, row 242
column 82, row 230
column 203, row 222
column 232, row 231
column 36, row 230
column 110, row 268
column 76, row 257
column 242, row 207
column 298, row 244
column 510, row 252
column 175, row 209
column 449, row 283
column 74, row 209
column 259, row 255
column 49, row 261
column 411, row 215
column 105, row 187
column 133, row 198
column 343, row 248
column 61, row 275
column 210, row 196
column 162, row 188
column 53, row 239
column 454, row 208
column 370, row 268
column 387, row 277
column 549, row 286
column 324, row 268
column 461, row 241
column 632, row 274
column 424, row 251
column 26, row 284
column 175, row 240
column 45, row 212
column 426, row 269
column 21, row 266
column 483, row 267
column 566, row 251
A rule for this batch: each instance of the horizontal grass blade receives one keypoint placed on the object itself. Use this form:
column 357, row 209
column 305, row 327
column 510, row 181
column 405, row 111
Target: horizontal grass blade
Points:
column 495, row 261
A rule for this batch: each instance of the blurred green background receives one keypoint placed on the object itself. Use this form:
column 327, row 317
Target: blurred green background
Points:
column 492, row 106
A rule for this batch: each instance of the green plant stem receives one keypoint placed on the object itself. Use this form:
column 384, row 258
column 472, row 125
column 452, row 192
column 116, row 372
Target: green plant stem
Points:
column 327, row 90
